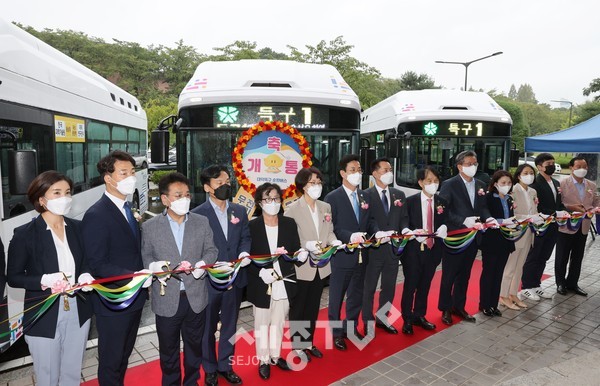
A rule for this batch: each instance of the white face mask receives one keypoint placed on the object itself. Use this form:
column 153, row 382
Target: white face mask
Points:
column 431, row 188
column 127, row 186
column 527, row 179
column 59, row 206
column 354, row 178
column 580, row 173
column 503, row 189
column 181, row 206
column 315, row 191
column 271, row 208
column 387, row 178
column 469, row 170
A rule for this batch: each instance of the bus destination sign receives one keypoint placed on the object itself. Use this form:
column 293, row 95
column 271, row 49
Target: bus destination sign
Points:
column 452, row 128
column 245, row 116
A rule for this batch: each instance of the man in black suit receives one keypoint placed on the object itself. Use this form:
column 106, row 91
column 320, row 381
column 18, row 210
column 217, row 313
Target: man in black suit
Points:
column 111, row 238
column 389, row 210
column 549, row 203
column 467, row 206
column 352, row 219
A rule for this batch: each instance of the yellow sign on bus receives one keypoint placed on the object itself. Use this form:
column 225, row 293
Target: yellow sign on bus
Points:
column 68, row 129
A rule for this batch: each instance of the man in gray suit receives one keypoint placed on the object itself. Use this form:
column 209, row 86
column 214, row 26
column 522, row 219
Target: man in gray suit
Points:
column 179, row 239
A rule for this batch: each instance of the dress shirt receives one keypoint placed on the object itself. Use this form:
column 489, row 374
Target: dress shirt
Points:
column 580, row 187
column 178, row 231
column 221, row 215
column 470, row 185
column 119, row 203
column 66, row 262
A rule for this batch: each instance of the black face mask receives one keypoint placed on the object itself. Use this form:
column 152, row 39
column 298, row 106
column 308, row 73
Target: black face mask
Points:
column 223, row 192
column 550, row 169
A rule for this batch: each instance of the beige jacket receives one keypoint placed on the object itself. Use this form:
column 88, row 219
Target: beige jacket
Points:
column 570, row 196
column 522, row 198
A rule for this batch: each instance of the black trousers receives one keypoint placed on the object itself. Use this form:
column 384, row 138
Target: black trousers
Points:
column 492, row 270
column 569, row 252
column 387, row 267
column 456, row 272
column 351, row 281
column 419, row 268
column 116, row 338
column 190, row 326
column 534, row 266
column 304, row 312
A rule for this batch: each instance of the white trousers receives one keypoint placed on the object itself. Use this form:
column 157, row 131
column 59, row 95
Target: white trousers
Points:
column 513, row 270
column 268, row 329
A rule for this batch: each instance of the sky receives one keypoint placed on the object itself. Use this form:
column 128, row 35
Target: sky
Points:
column 552, row 45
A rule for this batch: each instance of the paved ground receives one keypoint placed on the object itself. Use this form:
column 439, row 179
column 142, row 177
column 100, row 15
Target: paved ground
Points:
column 555, row 341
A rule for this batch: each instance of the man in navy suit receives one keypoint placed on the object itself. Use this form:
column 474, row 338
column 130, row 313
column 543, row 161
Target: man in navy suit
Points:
column 229, row 223
column 111, row 238
column 389, row 210
column 467, row 206
column 352, row 219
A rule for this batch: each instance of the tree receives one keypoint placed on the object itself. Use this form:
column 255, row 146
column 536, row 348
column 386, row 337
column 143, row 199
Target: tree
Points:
column 410, row 80
column 592, row 88
column 586, row 111
column 157, row 109
column 519, row 129
column 512, row 93
column 240, row 49
column 526, row 94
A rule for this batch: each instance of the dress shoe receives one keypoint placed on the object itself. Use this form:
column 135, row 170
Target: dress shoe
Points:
column 508, row 303
column 487, row 311
column 464, row 315
column 561, row 289
column 387, row 328
column 231, row 377
column 264, row 370
column 315, row 352
column 447, row 318
column 496, row 311
column 578, row 291
column 210, row 379
column 515, row 299
column 339, row 343
column 281, row 363
column 426, row 324
column 302, row 355
column 407, row 329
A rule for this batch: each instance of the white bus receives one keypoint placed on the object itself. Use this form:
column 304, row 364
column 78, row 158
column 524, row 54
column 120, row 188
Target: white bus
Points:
column 57, row 114
column 430, row 127
column 225, row 98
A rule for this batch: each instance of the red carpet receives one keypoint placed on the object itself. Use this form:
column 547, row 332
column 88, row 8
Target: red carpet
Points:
column 334, row 365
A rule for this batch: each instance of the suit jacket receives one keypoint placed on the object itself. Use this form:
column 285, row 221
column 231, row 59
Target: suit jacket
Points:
column 415, row 221
column 547, row 204
column 301, row 213
column 525, row 208
column 395, row 220
column 158, row 243
column 31, row 254
column 287, row 237
column 345, row 223
column 238, row 236
column 455, row 193
column 570, row 196
column 493, row 241
column 112, row 250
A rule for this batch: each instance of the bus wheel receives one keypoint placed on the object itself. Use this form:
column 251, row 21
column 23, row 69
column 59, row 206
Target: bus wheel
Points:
column 135, row 203
column 144, row 165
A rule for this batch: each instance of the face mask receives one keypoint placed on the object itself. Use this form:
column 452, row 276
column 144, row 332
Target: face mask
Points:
column 503, row 189
column 580, row 173
column 550, row 169
column 527, row 179
column 354, row 178
column 469, row 170
column 431, row 188
column 387, row 178
column 127, row 186
column 223, row 192
column 59, row 206
column 271, row 208
column 181, row 206
column 315, row 191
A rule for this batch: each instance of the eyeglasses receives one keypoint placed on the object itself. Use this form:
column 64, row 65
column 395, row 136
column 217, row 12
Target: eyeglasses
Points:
column 270, row 200
column 467, row 164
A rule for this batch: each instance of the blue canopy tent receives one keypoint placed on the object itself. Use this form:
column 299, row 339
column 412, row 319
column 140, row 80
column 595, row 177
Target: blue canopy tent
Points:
column 581, row 138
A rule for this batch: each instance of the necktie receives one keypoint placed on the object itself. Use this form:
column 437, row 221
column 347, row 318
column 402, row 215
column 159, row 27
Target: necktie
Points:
column 130, row 218
column 355, row 205
column 429, row 223
column 384, row 201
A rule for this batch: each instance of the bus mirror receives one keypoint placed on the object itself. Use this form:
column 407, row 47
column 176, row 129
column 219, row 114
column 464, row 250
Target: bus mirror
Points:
column 514, row 158
column 394, row 148
column 159, row 145
column 178, row 124
column 366, row 157
column 22, row 169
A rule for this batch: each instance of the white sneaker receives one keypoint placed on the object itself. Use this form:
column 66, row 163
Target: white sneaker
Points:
column 528, row 294
column 540, row 292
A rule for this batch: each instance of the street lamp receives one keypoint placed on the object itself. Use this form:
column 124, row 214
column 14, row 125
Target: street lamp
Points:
column 466, row 64
column 570, row 108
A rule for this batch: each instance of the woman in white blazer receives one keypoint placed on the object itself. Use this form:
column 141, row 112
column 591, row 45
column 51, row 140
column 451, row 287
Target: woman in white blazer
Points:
column 315, row 227
column 525, row 207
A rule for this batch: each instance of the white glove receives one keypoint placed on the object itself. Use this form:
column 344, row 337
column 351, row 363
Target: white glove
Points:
column 148, row 281
column 562, row 214
column 303, row 255
column 406, row 231
column 418, row 238
column 470, row 221
column 357, row 237
column 490, row 221
column 49, row 279
column 509, row 223
column 536, row 219
column 246, row 260
column 336, row 243
column 157, row 266
column 442, row 232
column 267, row 275
column 198, row 272
column 384, row 236
column 85, row 278
column 312, row 246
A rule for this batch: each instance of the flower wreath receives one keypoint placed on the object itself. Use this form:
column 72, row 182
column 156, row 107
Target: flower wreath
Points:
column 282, row 127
